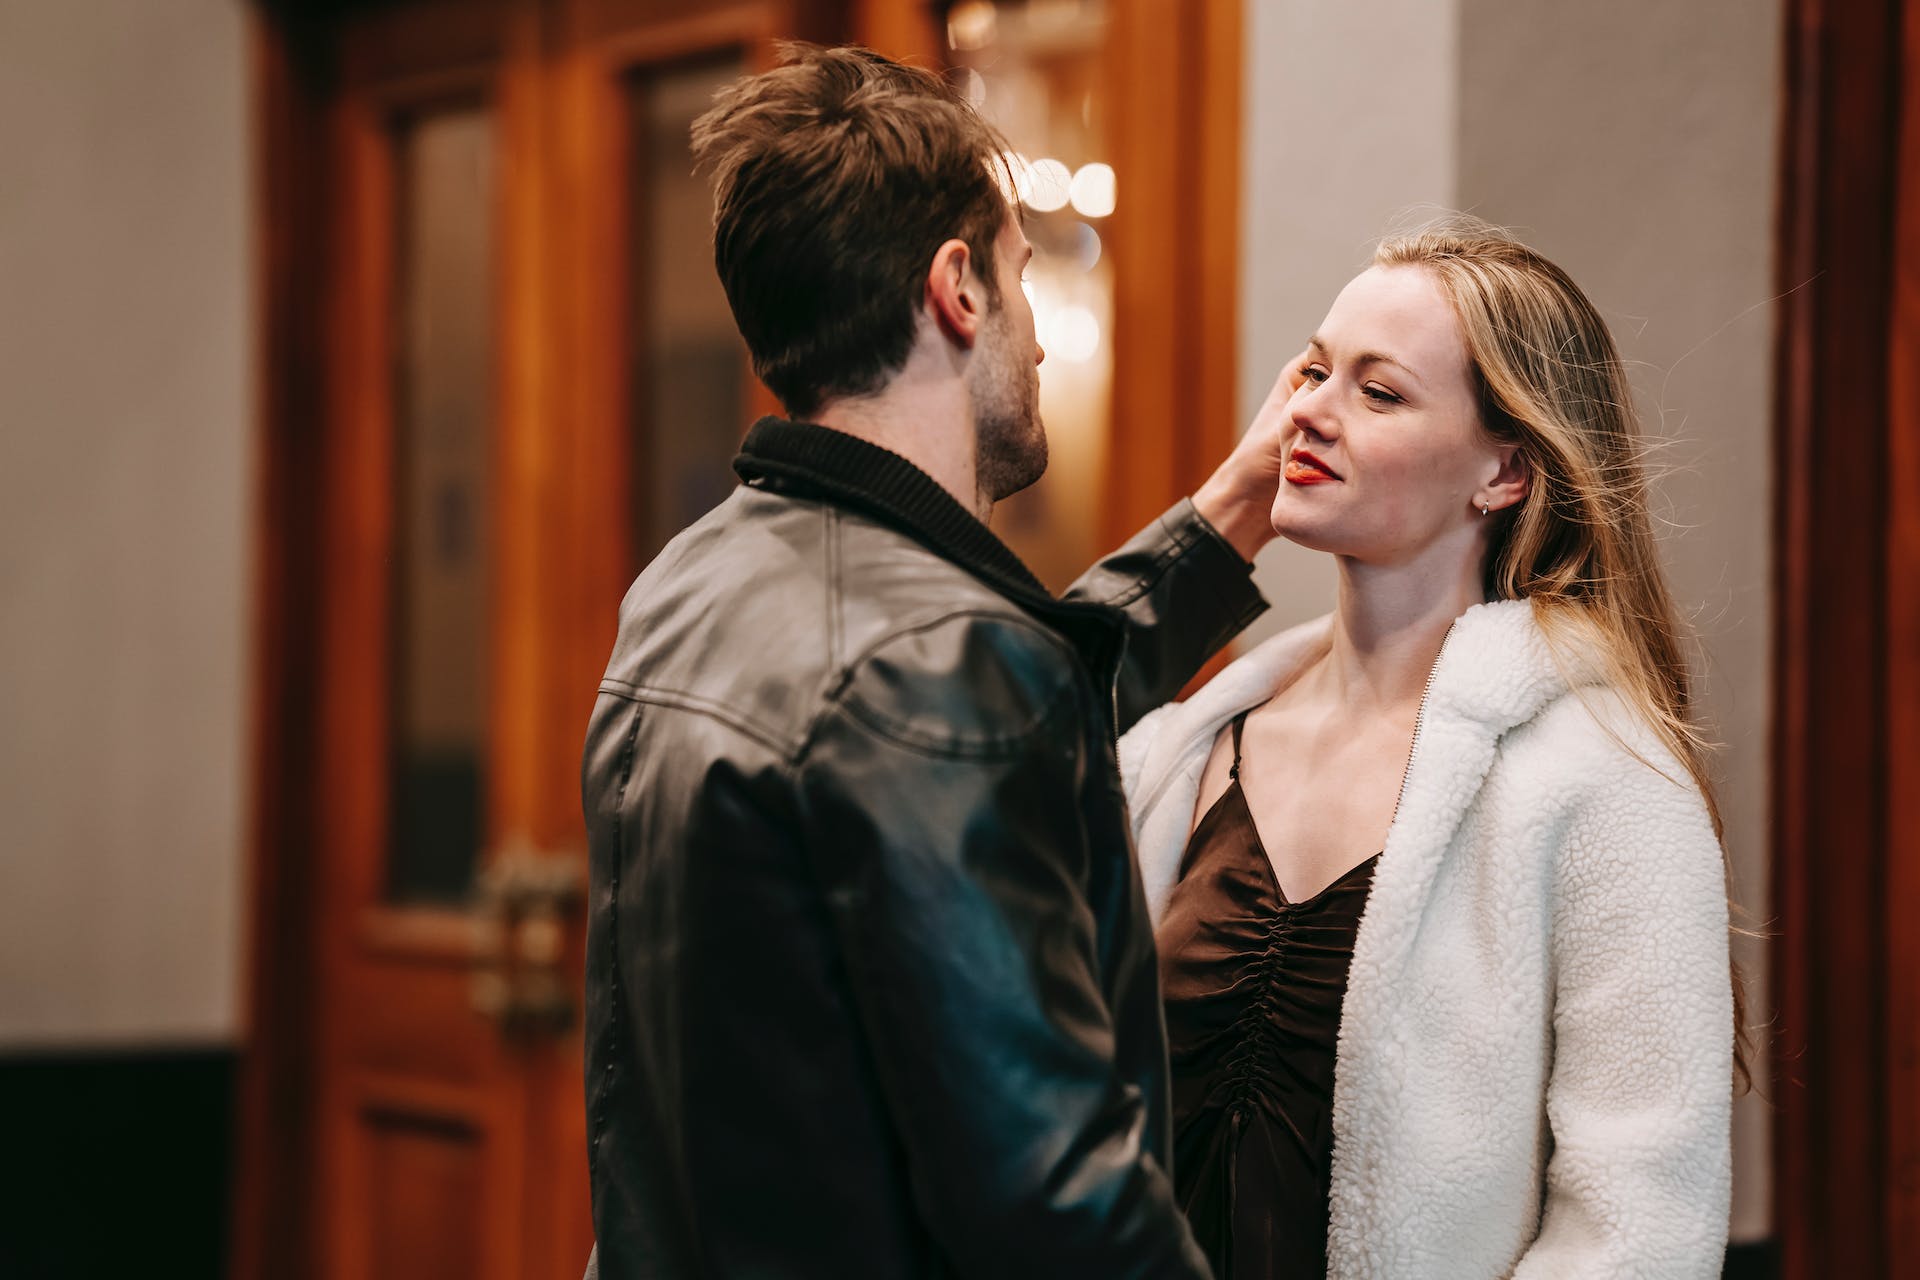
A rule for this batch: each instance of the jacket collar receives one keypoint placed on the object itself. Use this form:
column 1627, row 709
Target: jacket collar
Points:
column 805, row 460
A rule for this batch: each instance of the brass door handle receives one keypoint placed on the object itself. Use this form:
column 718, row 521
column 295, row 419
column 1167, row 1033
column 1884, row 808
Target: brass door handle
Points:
column 525, row 899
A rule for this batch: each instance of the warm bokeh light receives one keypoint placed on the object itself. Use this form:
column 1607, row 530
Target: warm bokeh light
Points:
column 1073, row 334
column 1048, row 186
column 972, row 24
column 1086, row 247
column 1092, row 190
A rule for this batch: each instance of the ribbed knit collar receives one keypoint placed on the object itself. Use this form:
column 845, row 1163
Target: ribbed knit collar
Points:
column 811, row 461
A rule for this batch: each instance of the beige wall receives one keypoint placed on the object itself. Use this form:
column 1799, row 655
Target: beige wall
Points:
column 124, row 474
column 1348, row 123
column 1634, row 143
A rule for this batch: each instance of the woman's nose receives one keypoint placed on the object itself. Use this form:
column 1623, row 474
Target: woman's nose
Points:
column 1310, row 413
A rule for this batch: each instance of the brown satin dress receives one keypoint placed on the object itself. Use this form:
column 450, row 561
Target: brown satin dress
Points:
column 1253, row 986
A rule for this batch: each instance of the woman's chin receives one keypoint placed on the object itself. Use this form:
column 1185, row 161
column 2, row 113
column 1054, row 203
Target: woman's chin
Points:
column 1303, row 529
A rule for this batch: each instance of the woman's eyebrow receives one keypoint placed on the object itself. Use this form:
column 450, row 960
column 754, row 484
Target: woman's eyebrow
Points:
column 1369, row 357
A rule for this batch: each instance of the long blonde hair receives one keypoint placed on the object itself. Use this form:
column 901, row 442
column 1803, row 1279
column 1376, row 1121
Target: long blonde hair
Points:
column 1580, row 545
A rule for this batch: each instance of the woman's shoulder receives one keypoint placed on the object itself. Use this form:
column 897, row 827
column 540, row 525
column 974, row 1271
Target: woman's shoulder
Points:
column 1597, row 787
column 1589, row 745
column 1167, row 737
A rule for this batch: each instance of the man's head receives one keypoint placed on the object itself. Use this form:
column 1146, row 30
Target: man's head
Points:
column 842, row 181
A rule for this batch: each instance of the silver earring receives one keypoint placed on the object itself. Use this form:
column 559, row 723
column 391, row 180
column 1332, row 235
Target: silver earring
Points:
column 1486, row 508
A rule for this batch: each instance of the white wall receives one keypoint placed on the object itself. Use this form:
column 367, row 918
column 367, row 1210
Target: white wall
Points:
column 1632, row 142
column 1349, row 122
column 125, row 457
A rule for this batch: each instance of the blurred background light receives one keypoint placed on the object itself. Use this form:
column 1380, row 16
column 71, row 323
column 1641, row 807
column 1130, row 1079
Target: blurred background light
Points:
column 972, row 24
column 1049, row 186
column 1072, row 334
column 1014, row 172
column 1092, row 190
column 1086, row 246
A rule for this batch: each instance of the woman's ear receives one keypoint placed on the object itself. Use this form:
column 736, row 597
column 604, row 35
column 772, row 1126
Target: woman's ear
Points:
column 1511, row 480
column 954, row 295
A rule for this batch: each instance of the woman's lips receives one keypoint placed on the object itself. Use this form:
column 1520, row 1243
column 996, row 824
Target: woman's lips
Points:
column 1306, row 469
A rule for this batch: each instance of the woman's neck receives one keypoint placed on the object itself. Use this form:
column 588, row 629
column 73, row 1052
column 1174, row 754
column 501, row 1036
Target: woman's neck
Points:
column 1389, row 625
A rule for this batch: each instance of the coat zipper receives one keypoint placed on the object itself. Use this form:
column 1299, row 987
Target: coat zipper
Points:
column 1419, row 723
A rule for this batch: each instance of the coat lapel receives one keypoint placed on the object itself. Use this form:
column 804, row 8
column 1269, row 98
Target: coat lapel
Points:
column 1494, row 672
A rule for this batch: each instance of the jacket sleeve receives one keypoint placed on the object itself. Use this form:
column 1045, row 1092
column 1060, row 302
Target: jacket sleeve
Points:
column 941, row 796
column 1639, row 1099
column 1184, row 591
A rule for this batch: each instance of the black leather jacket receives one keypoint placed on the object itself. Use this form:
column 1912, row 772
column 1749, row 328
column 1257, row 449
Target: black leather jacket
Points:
column 871, row 987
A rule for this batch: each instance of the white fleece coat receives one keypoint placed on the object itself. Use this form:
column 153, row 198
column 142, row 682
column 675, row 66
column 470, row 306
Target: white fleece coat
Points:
column 1533, row 1075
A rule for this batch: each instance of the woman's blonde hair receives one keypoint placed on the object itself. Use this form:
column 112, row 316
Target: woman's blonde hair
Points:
column 1580, row 544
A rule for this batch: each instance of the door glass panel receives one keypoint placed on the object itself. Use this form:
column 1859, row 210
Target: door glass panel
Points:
column 442, row 499
column 690, row 370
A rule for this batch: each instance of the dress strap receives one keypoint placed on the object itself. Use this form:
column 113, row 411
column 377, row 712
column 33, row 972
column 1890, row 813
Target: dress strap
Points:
column 1239, row 722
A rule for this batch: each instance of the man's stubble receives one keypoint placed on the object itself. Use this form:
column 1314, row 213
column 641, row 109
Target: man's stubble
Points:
column 1010, row 441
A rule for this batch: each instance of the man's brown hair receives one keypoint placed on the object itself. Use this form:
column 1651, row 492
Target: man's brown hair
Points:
column 836, row 176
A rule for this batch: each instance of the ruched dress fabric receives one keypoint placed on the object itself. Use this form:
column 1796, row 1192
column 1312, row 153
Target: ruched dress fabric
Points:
column 1253, row 986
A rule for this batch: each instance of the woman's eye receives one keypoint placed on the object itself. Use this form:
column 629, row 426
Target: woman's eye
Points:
column 1381, row 394
column 1312, row 374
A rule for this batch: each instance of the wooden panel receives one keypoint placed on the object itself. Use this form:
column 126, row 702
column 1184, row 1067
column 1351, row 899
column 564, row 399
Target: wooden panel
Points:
column 417, row 1019
column 410, row 44
column 274, row 1160
column 1902, row 899
column 1175, row 241
column 394, row 995
column 1830, row 876
column 424, row 1190
column 905, row 30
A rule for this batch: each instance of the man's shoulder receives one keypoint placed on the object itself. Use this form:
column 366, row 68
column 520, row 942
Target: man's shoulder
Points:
column 984, row 683
column 778, row 608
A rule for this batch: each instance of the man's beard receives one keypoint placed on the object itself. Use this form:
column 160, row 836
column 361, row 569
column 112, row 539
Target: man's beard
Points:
column 1010, row 443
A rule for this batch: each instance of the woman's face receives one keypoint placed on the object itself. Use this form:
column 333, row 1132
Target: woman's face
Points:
column 1385, row 455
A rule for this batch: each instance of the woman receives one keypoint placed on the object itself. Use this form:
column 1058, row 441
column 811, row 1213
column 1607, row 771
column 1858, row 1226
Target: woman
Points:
column 1437, row 881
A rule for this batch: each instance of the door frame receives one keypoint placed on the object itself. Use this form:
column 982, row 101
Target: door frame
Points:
column 1846, row 736
column 276, row 1153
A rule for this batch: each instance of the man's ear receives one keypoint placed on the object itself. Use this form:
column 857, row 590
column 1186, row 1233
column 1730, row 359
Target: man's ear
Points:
column 955, row 294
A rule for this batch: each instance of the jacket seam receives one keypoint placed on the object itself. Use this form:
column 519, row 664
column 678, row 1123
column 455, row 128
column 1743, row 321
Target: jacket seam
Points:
column 704, row 706
column 1186, row 535
column 834, row 638
column 616, row 988
column 1163, row 561
column 996, row 747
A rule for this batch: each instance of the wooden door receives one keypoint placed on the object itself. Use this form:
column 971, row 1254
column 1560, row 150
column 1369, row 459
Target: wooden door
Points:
column 500, row 373
column 444, row 1040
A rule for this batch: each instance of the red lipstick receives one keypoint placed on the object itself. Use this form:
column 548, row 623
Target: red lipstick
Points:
column 1303, row 468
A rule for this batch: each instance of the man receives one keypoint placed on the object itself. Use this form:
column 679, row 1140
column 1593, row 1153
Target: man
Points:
column 871, row 986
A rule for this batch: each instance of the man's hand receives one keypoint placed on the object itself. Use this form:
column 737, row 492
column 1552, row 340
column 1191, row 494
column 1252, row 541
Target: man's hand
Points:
column 1237, row 498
